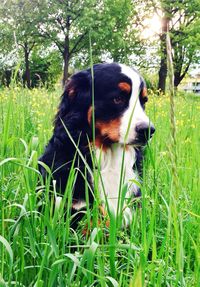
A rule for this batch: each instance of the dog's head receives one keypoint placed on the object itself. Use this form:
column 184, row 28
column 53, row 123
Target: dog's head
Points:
column 119, row 102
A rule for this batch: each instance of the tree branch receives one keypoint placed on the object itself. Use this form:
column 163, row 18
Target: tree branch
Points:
column 73, row 50
column 47, row 35
column 186, row 69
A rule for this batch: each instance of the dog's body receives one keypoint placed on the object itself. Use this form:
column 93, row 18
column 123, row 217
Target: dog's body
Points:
column 121, row 130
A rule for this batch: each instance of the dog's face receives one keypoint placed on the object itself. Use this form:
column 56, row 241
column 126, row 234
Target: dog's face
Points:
column 119, row 102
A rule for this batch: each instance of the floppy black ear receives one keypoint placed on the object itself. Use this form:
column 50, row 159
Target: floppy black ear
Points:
column 75, row 96
column 64, row 105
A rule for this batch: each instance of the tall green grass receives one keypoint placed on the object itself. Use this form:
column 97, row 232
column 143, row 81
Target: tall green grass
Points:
column 37, row 245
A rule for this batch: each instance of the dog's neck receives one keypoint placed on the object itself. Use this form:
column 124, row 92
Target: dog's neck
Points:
column 116, row 166
column 116, row 156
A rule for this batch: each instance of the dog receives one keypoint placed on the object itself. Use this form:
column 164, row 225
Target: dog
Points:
column 110, row 103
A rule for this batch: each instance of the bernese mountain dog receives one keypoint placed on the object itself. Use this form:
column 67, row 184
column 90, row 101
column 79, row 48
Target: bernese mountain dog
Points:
column 101, row 109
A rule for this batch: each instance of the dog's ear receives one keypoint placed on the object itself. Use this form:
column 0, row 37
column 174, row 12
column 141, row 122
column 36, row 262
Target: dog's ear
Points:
column 64, row 105
column 143, row 94
column 76, row 93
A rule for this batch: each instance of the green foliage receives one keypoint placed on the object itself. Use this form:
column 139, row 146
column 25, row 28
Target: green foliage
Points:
column 66, row 25
column 62, row 28
column 19, row 20
column 151, row 81
column 182, row 18
column 113, row 33
column 161, row 246
column 106, row 22
column 45, row 70
column 185, row 37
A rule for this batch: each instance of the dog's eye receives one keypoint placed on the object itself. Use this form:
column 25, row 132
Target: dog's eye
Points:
column 118, row 100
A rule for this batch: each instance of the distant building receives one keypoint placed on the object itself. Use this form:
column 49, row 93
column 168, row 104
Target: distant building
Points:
column 192, row 85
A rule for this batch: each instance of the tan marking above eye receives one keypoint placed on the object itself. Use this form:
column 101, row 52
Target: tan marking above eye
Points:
column 125, row 87
column 144, row 92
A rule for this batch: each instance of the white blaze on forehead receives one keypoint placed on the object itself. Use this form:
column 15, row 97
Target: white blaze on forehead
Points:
column 135, row 113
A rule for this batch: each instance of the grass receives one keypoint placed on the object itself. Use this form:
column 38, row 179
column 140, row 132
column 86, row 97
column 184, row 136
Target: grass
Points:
column 37, row 247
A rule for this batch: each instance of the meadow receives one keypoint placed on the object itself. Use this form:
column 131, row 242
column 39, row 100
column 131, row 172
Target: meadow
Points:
column 38, row 248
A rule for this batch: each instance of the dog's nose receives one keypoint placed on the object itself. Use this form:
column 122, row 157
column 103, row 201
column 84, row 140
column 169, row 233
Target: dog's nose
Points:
column 145, row 131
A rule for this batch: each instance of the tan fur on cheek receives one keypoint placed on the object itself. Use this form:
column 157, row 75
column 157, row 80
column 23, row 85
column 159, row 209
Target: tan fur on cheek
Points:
column 105, row 131
column 109, row 130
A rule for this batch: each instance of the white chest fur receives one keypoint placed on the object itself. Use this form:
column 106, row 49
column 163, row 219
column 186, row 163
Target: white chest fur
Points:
column 113, row 170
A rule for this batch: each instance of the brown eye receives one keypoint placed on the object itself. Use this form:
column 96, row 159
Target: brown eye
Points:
column 118, row 100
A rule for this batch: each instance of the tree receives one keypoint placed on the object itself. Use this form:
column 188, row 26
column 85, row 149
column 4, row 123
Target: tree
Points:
column 68, row 25
column 45, row 67
column 19, row 30
column 60, row 25
column 185, row 39
column 182, row 19
column 65, row 25
column 114, row 33
column 162, row 74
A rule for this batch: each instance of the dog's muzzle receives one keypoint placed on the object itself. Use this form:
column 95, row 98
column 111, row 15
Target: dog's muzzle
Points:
column 144, row 132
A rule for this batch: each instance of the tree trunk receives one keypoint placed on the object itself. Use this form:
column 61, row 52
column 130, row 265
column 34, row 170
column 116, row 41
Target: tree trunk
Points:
column 7, row 79
column 27, row 66
column 162, row 74
column 66, row 53
column 177, row 79
column 163, row 61
column 66, row 66
column 178, row 76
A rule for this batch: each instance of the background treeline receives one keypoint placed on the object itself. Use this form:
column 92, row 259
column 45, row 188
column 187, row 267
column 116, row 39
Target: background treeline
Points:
column 41, row 38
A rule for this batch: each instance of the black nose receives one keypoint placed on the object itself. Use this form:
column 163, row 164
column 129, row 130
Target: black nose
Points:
column 145, row 131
